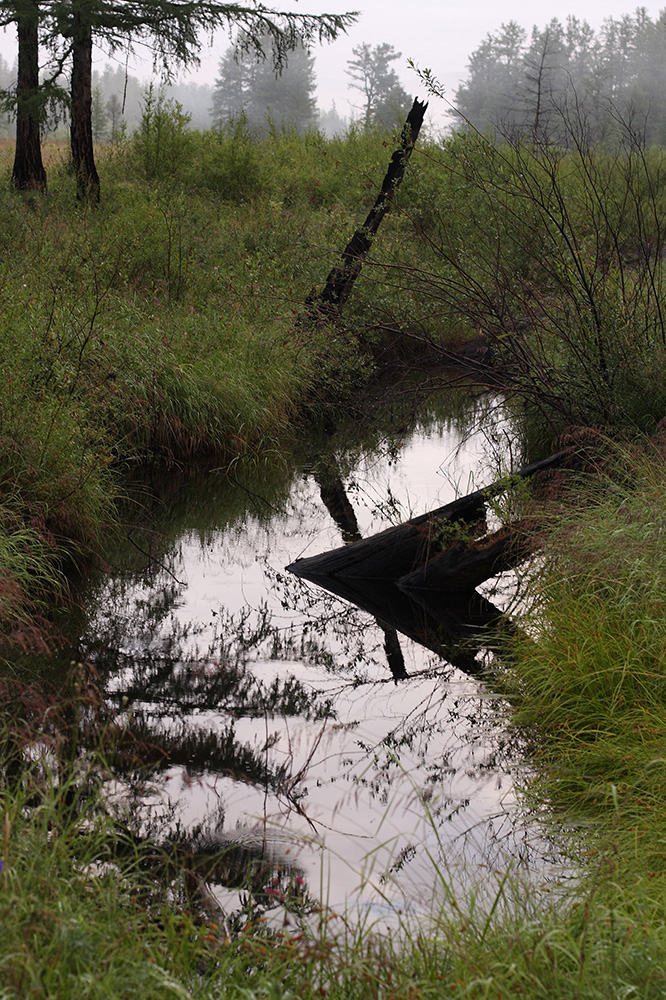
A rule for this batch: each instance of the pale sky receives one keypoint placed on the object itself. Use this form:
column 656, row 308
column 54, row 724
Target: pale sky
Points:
column 436, row 35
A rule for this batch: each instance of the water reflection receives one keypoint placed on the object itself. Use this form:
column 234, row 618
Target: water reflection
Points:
column 275, row 732
column 335, row 499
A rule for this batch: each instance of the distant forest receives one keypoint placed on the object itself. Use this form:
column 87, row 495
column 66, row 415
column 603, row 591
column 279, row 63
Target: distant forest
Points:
column 519, row 83
column 524, row 84
column 118, row 98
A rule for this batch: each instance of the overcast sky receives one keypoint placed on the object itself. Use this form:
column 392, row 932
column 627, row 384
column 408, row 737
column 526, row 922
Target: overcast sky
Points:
column 435, row 34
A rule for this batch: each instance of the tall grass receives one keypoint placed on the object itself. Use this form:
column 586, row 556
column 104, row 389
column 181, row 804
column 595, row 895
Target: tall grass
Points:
column 164, row 326
column 88, row 909
column 589, row 684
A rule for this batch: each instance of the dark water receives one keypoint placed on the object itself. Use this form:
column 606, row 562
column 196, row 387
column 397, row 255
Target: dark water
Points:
column 281, row 731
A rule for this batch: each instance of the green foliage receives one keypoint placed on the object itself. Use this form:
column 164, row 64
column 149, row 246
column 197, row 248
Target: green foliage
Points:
column 161, row 143
column 164, row 325
column 556, row 257
column 228, row 163
column 589, row 683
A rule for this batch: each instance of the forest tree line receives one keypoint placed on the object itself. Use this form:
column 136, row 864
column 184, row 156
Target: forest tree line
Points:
column 170, row 31
column 265, row 92
column 522, row 83
column 246, row 85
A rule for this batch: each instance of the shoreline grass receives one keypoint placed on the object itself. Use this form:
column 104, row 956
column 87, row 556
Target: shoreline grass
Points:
column 590, row 684
column 165, row 326
column 162, row 327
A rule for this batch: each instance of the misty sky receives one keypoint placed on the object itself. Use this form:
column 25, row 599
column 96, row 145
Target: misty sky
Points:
column 435, row 34
column 438, row 35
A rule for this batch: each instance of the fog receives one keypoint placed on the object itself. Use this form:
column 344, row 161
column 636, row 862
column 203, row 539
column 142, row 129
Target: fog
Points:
column 435, row 35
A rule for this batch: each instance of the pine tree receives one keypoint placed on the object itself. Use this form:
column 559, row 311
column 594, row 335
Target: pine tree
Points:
column 100, row 115
column 233, row 87
column 114, row 110
column 28, row 173
column 371, row 73
column 251, row 86
column 569, row 75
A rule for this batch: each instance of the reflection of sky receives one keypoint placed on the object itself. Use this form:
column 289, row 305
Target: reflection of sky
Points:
column 406, row 774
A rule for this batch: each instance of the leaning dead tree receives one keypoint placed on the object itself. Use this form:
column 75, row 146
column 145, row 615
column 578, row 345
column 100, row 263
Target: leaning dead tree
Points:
column 336, row 291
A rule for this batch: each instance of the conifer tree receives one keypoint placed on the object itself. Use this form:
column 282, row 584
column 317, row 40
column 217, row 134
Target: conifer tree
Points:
column 28, row 173
column 568, row 71
column 371, row 73
column 250, row 85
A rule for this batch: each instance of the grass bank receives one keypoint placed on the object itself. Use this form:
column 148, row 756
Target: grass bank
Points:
column 165, row 325
column 589, row 683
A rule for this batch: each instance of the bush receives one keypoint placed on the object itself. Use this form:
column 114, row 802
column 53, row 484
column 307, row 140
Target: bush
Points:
column 557, row 256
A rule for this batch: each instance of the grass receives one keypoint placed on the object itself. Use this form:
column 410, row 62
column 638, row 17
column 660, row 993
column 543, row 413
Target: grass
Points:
column 87, row 909
column 167, row 325
column 164, row 327
column 593, row 685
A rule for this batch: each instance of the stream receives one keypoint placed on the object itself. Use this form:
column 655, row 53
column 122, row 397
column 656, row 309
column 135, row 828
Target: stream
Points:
column 286, row 752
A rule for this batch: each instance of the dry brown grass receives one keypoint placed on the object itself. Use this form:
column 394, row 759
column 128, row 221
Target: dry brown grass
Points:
column 53, row 151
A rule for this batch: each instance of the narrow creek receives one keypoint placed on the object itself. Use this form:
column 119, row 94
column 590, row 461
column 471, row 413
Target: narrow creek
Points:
column 284, row 746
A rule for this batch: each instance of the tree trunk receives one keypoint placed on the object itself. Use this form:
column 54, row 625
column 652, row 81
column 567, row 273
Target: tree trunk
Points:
column 402, row 550
column 337, row 503
column 464, row 565
column 340, row 281
column 28, row 173
column 83, row 157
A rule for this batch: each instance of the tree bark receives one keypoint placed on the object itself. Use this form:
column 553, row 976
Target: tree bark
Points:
column 340, row 281
column 464, row 565
column 81, row 133
column 28, row 173
column 397, row 552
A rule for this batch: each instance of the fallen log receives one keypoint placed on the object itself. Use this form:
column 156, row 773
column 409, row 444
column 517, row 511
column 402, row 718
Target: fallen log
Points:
column 461, row 567
column 399, row 551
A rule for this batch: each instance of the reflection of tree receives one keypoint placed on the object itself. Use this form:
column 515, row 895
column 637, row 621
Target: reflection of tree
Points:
column 65, row 750
column 336, row 501
column 165, row 683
